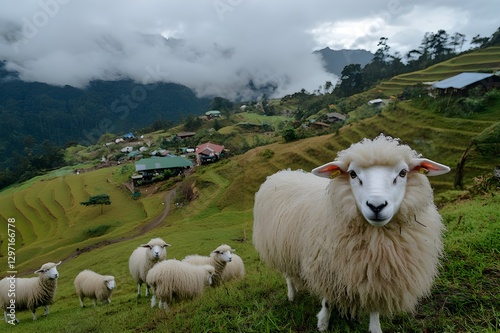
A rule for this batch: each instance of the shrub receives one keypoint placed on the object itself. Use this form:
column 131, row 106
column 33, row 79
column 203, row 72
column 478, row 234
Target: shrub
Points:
column 97, row 231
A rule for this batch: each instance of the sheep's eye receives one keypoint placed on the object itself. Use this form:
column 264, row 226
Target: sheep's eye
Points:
column 403, row 173
column 353, row 174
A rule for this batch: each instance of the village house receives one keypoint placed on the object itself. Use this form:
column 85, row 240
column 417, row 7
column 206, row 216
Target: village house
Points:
column 212, row 114
column 148, row 168
column 460, row 84
column 333, row 117
column 184, row 135
column 208, row 152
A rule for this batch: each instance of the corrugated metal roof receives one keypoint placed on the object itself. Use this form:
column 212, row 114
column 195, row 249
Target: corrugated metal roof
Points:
column 155, row 163
column 461, row 80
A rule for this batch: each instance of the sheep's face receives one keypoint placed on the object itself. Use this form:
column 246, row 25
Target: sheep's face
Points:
column 49, row 270
column 379, row 190
column 157, row 251
column 210, row 271
column 110, row 284
column 225, row 256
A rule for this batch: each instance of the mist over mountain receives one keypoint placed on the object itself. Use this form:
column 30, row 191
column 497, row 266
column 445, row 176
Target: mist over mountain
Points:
column 34, row 111
column 335, row 60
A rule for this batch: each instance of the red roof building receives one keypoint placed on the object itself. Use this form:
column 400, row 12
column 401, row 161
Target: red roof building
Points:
column 208, row 152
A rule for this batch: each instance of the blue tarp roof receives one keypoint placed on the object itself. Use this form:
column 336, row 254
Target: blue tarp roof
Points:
column 461, row 80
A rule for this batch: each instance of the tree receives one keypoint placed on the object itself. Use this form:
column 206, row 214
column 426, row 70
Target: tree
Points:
column 192, row 123
column 457, row 41
column 479, row 41
column 100, row 199
column 289, row 134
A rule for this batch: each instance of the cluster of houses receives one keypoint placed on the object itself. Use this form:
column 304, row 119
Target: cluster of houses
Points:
column 162, row 160
column 148, row 168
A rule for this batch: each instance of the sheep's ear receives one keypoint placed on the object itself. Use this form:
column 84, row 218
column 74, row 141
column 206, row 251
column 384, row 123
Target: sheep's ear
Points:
column 167, row 245
column 38, row 271
column 428, row 167
column 330, row 170
column 145, row 245
column 58, row 263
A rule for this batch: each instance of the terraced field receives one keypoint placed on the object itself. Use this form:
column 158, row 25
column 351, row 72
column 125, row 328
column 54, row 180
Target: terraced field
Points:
column 481, row 60
column 50, row 219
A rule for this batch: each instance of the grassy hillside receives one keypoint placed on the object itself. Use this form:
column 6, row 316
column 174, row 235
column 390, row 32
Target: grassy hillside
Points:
column 52, row 225
column 477, row 61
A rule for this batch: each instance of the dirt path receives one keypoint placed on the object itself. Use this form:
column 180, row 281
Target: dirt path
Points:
column 153, row 223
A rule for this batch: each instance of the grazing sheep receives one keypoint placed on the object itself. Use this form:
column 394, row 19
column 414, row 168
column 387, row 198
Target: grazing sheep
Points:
column 176, row 280
column 366, row 241
column 234, row 270
column 218, row 259
column 94, row 286
column 143, row 258
column 17, row 294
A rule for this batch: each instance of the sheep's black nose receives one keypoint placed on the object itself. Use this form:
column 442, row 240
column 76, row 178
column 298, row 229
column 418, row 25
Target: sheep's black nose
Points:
column 376, row 209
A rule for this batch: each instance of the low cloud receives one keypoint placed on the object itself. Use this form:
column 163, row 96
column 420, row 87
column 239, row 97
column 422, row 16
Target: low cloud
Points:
column 230, row 48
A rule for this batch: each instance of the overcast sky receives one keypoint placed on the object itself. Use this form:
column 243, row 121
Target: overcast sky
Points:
column 224, row 43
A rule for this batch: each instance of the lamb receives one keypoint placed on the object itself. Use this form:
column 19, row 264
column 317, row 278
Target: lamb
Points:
column 94, row 286
column 143, row 258
column 366, row 241
column 234, row 270
column 17, row 294
column 176, row 280
column 218, row 259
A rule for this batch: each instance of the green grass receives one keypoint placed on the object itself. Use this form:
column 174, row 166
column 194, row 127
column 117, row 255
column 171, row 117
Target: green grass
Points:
column 51, row 225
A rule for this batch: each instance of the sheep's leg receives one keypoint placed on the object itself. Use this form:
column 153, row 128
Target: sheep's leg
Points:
column 324, row 316
column 109, row 300
column 138, row 290
column 153, row 301
column 292, row 291
column 33, row 313
column 147, row 290
column 5, row 316
column 46, row 313
column 165, row 305
column 375, row 323
column 95, row 302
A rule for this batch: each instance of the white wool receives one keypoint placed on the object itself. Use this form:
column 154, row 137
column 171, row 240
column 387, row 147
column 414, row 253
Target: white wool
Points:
column 143, row 258
column 30, row 293
column 219, row 258
column 234, row 270
column 310, row 228
column 176, row 280
column 94, row 286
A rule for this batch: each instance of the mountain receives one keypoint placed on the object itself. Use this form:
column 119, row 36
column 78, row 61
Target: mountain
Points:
column 39, row 111
column 336, row 60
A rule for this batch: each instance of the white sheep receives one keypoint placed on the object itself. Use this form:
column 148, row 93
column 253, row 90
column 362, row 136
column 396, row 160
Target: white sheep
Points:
column 366, row 241
column 143, row 258
column 18, row 294
column 218, row 259
column 176, row 280
column 94, row 286
column 234, row 270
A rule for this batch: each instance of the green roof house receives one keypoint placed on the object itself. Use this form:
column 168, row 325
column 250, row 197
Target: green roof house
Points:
column 212, row 114
column 160, row 163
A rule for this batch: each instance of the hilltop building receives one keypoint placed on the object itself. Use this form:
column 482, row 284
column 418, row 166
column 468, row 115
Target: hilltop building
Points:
column 461, row 83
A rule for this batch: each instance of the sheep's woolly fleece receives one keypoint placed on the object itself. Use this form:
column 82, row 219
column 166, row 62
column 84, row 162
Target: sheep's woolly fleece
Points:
column 310, row 229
